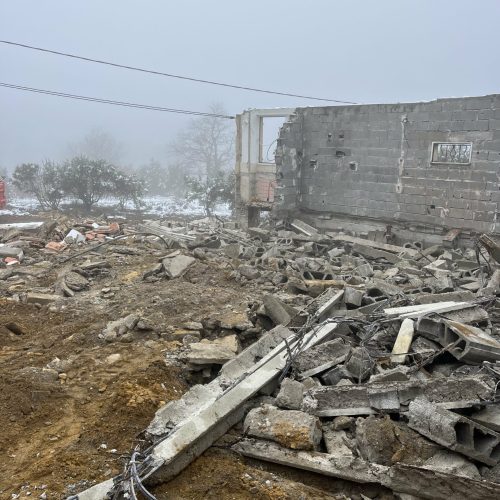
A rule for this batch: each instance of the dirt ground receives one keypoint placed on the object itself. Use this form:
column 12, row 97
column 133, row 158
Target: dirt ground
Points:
column 73, row 424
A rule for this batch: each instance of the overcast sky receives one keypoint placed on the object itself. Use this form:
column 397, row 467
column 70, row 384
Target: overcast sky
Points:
column 364, row 51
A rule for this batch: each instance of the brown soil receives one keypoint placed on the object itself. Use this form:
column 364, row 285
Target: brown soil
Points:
column 62, row 432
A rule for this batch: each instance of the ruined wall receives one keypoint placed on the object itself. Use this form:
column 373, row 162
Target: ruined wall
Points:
column 375, row 161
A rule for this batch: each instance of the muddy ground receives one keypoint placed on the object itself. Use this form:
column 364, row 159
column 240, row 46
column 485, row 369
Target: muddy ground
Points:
column 68, row 427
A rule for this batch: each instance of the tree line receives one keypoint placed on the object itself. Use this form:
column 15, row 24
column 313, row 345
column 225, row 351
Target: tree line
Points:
column 200, row 169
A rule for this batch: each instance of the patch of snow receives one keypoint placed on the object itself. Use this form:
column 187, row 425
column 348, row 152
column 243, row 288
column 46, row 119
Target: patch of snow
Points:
column 159, row 206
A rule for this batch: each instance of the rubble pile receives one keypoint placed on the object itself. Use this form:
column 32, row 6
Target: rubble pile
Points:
column 356, row 358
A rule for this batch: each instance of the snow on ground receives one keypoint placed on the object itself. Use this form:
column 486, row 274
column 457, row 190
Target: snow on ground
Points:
column 157, row 206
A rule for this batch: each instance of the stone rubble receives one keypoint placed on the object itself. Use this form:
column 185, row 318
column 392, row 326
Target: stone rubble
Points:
column 404, row 383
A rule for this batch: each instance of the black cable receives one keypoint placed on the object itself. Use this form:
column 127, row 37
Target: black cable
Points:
column 115, row 103
column 170, row 75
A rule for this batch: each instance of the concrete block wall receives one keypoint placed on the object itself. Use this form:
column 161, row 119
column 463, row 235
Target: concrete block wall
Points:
column 374, row 161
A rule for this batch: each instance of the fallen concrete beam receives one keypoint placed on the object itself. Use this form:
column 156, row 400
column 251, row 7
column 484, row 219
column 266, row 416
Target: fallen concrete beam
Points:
column 202, row 422
column 373, row 244
column 454, row 431
column 412, row 480
column 423, row 309
column 350, row 469
column 394, row 396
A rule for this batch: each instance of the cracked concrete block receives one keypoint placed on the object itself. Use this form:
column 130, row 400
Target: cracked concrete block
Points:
column 290, row 428
column 454, row 431
column 352, row 296
column 290, row 394
column 386, row 442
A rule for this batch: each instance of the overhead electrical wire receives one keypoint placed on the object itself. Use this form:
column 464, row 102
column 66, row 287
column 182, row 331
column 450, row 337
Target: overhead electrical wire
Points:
column 171, row 75
column 113, row 102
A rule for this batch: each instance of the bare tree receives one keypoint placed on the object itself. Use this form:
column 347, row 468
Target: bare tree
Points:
column 206, row 146
column 98, row 145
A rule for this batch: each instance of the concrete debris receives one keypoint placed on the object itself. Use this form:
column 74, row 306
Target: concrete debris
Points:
column 413, row 480
column 452, row 463
column 290, row 394
column 216, row 352
column 355, row 358
column 176, row 266
column 403, row 341
column 394, row 396
column 454, row 431
column 321, row 358
column 385, row 441
column 294, row 429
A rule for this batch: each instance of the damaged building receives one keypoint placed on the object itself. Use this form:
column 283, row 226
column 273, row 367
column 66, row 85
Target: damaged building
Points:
column 422, row 168
column 353, row 337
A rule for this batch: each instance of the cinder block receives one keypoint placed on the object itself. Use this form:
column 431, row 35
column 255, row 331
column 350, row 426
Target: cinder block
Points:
column 455, row 432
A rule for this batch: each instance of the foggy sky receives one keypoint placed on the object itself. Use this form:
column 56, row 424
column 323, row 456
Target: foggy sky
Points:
column 364, row 51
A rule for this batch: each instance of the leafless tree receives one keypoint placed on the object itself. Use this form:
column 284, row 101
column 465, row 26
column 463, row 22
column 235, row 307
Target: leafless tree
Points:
column 98, row 145
column 206, row 146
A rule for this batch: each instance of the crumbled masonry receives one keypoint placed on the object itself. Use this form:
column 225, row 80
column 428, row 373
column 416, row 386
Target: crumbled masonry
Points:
column 359, row 359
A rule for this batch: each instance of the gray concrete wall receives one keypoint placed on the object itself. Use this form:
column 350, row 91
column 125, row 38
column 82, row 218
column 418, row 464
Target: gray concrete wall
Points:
column 374, row 161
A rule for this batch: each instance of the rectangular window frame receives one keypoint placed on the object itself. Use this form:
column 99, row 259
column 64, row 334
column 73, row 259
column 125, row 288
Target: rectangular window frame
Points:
column 436, row 143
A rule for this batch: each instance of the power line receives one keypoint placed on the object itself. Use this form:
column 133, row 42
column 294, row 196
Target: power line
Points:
column 170, row 75
column 115, row 103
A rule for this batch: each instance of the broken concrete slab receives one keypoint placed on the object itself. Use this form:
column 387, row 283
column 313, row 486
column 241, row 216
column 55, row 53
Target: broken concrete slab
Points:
column 326, row 309
column 290, row 428
column 304, row 228
column 375, row 253
column 321, row 358
column 454, row 431
column 215, row 352
column 452, row 463
column 176, row 266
